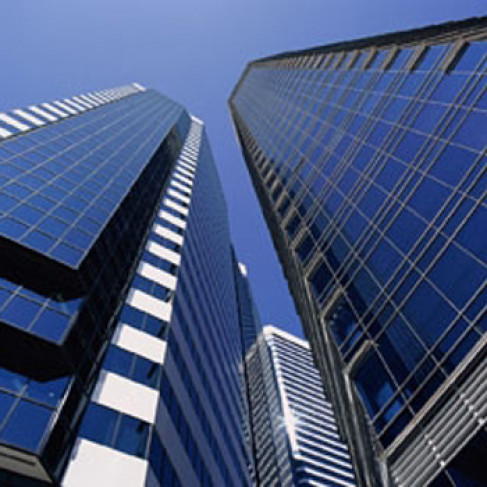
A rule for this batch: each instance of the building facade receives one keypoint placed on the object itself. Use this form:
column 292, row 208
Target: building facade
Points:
column 368, row 158
column 296, row 437
column 250, row 327
column 120, row 344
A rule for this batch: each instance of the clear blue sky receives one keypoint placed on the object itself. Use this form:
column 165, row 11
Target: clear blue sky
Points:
column 194, row 52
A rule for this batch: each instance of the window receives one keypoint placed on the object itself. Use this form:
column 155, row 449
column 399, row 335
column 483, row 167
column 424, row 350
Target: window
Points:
column 320, row 277
column 99, row 424
column 26, row 426
column 132, row 436
column 20, row 312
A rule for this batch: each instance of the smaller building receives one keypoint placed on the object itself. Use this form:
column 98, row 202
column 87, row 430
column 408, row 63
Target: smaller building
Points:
column 304, row 446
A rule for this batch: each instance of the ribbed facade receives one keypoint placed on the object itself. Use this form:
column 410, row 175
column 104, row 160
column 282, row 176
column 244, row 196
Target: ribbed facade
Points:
column 368, row 158
column 297, row 441
column 120, row 345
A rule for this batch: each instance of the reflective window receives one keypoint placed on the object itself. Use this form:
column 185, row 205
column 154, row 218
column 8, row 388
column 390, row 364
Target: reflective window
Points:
column 26, row 426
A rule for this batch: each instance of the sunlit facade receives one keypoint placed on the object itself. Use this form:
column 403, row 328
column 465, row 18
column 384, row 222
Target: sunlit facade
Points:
column 296, row 437
column 120, row 344
column 368, row 158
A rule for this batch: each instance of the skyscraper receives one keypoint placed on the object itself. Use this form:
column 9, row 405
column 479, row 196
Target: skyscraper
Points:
column 368, row 158
column 120, row 344
column 250, row 327
column 296, row 437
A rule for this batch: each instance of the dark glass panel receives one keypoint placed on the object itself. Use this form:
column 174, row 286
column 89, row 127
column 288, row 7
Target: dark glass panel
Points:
column 375, row 385
column 51, row 325
column 119, row 361
column 305, row 248
column 472, row 133
column 449, row 88
column 49, row 392
column 12, row 228
column 342, row 322
column 471, row 56
column 39, row 241
column 26, row 426
column 99, row 424
column 11, row 382
column 6, row 403
column 132, row 436
column 20, row 312
column 320, row 278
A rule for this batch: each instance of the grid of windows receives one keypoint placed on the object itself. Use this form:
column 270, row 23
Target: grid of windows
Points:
column 59, row 323
column 181, row 423
column 163, row 267
column 205, row 308
column 372, row 161
column 137, row 368
column 60, row 184
column 217, row 410
column 319, row 453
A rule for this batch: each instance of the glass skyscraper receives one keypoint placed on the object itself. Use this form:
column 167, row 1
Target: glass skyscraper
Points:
column 289, row 424
column 368, row 158
column 296, row 441
column 119, row 337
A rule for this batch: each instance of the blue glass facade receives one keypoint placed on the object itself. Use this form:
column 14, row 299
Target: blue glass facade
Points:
column 293, row 431
column 261, row 447
column 70, row 232
column 113, row 232
column 173, row 305
column 369, row 161
column 317, row 453
column 289, row 423
column 206, row 322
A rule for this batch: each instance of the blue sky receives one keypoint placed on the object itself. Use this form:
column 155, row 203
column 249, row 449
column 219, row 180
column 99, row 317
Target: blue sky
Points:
column 194, row 52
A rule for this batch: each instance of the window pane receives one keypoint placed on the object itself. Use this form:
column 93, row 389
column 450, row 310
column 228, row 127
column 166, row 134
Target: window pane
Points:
column 26, row 426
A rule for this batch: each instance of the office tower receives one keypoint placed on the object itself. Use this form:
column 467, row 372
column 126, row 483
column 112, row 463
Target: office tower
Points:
column 297, row 442
column 290, row 427
column 368, row 158
column 250, row 326
column 119, row 337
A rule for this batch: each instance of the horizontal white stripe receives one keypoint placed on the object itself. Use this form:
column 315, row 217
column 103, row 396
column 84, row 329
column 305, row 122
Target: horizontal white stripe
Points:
column 180, row 209
column 186, row 158
column 328, row 476
column 13, row 122
column 65, row 107
column 186, row 167
column 43, row 113
column 55, row 110
column 172, row 219
column 157, row 275
column 127, row 396
column 149, row 304
column 178, row 195
column 102, row 97
column 81, row 102
column 73, row 104
column 4, row 133
column 197, row 121
column 29, row 117
column 139, row 342
column 178, row 185
column 93, row 464
column 91, row 100
column 183, row 179
column 190, row 154
column 97, row 97
column 139, row 86
column 185, row 172
column 169, row 234
column 163, row 253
